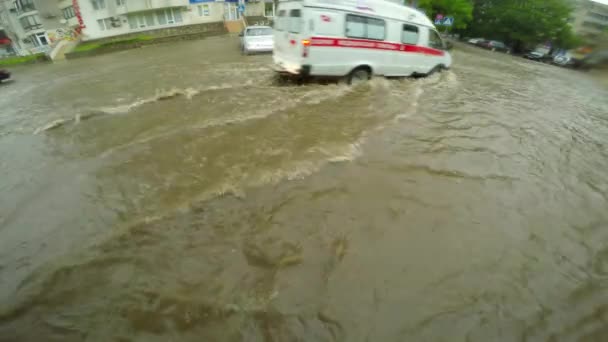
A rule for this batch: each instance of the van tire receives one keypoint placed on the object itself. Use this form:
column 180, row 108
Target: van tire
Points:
column 359, row 75
column 436, row 69
column 281, row 79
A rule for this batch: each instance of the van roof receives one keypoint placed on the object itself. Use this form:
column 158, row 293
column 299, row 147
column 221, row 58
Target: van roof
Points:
column 380, row 8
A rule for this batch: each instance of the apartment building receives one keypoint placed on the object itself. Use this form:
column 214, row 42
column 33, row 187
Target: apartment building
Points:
column 108, row 18
column 590, row 19
column 26, row 24
column 32, row 26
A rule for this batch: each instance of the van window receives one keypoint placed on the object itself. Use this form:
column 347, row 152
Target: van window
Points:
column 295, row 22
column 435, row 41
column 279, row 25
column 410, row 34
column 365, row 27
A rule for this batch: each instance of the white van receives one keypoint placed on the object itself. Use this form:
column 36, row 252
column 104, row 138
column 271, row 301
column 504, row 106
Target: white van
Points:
column 356, row 39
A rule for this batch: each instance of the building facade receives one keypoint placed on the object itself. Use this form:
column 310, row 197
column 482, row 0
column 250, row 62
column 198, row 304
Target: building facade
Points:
column 32, row 26
column 590, row 19
column 108, row 18
column 26, row 23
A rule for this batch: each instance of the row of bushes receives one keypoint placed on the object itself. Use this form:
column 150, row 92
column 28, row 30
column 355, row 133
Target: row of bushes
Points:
column 10, row 61
column 114, row 43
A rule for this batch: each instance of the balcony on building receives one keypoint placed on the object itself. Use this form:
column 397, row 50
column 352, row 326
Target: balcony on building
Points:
column 132, row 6
column 591, row 26
column 597, row 17
column 30, row 22
column 25, row 8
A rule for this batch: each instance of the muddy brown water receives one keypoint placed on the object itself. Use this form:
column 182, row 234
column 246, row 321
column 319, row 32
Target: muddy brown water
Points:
column 176, row 193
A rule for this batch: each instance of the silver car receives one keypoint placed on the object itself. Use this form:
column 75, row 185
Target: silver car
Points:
column 256, row 39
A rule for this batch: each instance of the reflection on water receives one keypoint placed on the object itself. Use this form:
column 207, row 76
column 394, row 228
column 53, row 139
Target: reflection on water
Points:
column 193, row 199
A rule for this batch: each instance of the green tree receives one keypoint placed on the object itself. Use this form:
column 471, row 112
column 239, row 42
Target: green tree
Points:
column 523, row 22
column 461, row 10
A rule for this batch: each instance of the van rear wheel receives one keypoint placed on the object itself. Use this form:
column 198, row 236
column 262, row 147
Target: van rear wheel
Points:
column 435, row 70
column 358, row 76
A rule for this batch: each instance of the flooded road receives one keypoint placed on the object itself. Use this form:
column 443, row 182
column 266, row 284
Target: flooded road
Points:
column 176, row 193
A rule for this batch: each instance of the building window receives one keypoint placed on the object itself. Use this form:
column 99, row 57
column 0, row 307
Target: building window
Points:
column 365, row 27
column 149, row 19
column 39, row 39
column 68, row 12
column 132, row 22
column 27, row 5
column 169, row 16
column 98, row 4
column 141, row 20
column 105, row 24
column 30, row 22
column 410, row 34
column 162, row 17
column 203, row 10
column 269, row 9
column 120, row 2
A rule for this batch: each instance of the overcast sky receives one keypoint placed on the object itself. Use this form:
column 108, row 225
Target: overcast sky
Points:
column 605, row 2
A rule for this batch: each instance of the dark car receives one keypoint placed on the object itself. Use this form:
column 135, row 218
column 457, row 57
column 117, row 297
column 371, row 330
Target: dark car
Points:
column 4, row 75
column 494, row 45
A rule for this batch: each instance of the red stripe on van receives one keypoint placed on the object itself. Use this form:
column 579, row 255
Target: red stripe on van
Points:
column 373, row 44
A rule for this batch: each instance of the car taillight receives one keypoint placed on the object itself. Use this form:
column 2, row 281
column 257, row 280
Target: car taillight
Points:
column 305, row 46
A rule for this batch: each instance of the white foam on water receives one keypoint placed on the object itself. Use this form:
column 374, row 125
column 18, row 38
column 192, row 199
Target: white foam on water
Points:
column 413, row 103
column 160, row 95
column 314, row 96
column 51, row 125
column 341, row 152
column 318, row 95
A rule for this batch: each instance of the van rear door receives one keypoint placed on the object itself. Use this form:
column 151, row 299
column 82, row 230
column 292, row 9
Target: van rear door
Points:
column 289, row 32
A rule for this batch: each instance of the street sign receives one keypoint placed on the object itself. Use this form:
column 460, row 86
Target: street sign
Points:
column 438, row 19
column 448, row 21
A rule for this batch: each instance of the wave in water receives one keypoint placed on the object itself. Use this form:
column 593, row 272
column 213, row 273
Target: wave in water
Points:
column 161, row 95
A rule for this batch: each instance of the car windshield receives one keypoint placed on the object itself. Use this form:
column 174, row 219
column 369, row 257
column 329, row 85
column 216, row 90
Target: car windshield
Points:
column 262, row 31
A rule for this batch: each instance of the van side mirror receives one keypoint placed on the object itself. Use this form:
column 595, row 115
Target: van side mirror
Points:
column 240, row 34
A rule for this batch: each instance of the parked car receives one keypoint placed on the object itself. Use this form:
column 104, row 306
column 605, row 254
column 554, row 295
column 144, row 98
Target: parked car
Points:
column 474, row 41
column 563, row 60
column 494, row 45
column 256, row 39
column 4, row 75
column 535, row 56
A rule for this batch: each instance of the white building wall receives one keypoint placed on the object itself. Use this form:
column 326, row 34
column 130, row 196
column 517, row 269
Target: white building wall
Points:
column 90, row 16
column 124, row 17
column 198, row 15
